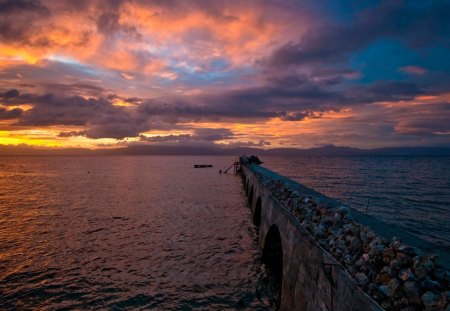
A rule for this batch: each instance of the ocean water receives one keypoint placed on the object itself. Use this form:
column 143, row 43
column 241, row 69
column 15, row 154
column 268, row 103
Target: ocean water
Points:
column 153, row 232
column 127, row 233
column 410, row 192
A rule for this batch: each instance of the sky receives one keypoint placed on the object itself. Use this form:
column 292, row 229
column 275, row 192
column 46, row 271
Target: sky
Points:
column 235, row 73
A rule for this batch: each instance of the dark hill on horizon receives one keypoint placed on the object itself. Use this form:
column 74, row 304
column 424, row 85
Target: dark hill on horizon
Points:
column 192, row 150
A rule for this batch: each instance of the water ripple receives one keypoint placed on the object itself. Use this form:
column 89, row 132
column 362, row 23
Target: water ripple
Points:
column 134, row 233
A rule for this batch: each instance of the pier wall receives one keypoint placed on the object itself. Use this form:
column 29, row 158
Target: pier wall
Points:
column 311, row 278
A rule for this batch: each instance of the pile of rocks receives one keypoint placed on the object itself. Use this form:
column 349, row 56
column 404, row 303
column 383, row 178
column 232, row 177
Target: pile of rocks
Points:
column 398, row 276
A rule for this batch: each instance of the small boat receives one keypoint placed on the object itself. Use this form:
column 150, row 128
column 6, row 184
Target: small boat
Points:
column 202, row 165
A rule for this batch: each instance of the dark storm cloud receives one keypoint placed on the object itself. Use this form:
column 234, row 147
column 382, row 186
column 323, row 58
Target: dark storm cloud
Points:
column 291, row 98
column 165, row 138
column 417, row 25
column 298, row 116
column 99, row 116
column 68, row 89
column 212, row 134
column 392, row 91
column 199, row 134
column 237, row 144
column 72, row 134
column 10, row 114
column 51, row 110
column 8, row 7
column 14, row 97
column 109, row 24
column 17, row 16
column 424, row 120
column 10, row 95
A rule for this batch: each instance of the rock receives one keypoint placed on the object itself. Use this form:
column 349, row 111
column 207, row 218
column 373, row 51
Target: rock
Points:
column 360, row 262
column 343, row 210
column 341, row 244
column 388, row 255
column 428, row 284
column 423, row 265
column 442, row 275
column 377, row 245
column 361, row 279
column 348, row 259
column 394, row 268
column 337, row 253
column 386, row 305
column 355, row 244
column 410, row 251
column 383, row 289
column 337, row 218
column 363, row 236
column 336, row 231
column 350, row 229
column 406, row 274
column 320, row 231
column 403, row 260
column 393, row 288
column 395, row 243
column 327, row 221
column 401, row 303
column 433, row 301
column 383, row 278
column 308, row 214
column 411, row 289
column 415, row 300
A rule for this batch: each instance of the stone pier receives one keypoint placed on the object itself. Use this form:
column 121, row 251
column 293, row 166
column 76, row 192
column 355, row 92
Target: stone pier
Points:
column 311, row 278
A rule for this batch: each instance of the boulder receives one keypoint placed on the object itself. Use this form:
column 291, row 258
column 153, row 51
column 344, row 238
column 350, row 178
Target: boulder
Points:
column 433, row 301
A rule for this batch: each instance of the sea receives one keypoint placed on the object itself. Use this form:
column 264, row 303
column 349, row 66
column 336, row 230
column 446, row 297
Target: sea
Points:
column 153, row 232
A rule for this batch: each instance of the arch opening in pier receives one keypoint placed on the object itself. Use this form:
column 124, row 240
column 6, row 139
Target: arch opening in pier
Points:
column 257, row 213
column 272, row 257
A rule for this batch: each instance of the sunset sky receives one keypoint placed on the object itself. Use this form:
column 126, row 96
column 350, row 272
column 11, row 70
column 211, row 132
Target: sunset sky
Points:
column 268, row 74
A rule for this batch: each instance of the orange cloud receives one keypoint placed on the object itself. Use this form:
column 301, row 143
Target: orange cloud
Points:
column 148, row 38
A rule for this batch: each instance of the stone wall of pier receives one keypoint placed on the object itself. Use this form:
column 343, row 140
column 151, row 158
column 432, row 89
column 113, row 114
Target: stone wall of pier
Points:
column 332, row 259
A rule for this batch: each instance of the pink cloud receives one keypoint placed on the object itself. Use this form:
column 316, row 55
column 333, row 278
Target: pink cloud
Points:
column 414, row 70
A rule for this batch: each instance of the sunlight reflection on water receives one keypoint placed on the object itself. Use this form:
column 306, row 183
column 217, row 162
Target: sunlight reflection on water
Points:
column 126, row 232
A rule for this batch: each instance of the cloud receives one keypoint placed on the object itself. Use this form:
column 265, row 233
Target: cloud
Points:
column 8, row 95
column 199, row 134
column 298, row 116
column 212, row 134
column 415, row 70
column 16, row 18
column 99, row 116
column 237, row 144
column 10, row 114
column 118, row 69
column 165, row 138
column 333, row 42
column 127, row 76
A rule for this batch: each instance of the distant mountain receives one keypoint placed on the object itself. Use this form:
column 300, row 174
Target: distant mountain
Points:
column 348, row 151
column 215, row 150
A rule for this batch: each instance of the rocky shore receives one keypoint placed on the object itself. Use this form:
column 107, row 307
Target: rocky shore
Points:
column 397, row 276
